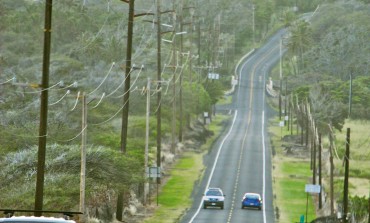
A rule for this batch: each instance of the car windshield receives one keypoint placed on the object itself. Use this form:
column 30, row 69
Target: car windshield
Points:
column 253, row 197
column 213, row 193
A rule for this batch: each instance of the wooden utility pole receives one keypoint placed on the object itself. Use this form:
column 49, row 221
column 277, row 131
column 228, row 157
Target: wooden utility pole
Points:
column 314, row 161
column 368, row 209
column 307, row 122
column 286, row 99
column 39, row 196
column 181, row 64
column 346, row 176
column 350, row 95
column 83, row 157
column 199, row 46
column 290, row 113
column 302, row 123
column 174, row 68
column 281, row 77
column 320, row 182
column 146, row 184
column 126, row 97
column 128, row 70
column 311, row 148
column 159, row 81
column 331, row 174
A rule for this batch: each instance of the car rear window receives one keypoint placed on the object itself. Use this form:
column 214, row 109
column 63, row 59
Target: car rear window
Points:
column 213, row 193
column 254, row 197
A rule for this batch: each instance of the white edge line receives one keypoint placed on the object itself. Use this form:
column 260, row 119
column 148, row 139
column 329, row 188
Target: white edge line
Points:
column 223, row 141
column 214, row 165
column 264, row 151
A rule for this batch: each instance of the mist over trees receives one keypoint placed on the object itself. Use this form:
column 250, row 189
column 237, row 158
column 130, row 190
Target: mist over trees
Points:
column 88, row 55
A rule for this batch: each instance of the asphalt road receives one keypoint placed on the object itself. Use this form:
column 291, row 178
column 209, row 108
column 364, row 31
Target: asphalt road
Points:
column 240, row 161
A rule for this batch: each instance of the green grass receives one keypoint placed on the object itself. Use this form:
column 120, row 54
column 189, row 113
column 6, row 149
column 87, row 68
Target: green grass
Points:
column 175, row 196
column 290, row 177
column 291, row 191
column 225, row 100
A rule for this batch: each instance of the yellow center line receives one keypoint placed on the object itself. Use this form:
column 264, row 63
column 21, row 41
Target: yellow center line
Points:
column 233, row 201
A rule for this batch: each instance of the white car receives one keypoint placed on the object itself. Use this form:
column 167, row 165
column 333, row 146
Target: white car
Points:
column 10, row 217
column 33, row 219
column 213, row 197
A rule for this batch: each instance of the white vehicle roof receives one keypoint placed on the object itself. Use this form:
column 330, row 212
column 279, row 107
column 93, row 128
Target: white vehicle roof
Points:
column 33, row 219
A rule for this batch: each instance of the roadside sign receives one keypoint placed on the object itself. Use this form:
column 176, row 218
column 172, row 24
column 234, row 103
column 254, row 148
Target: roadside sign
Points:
column 281, row 123
column 213, row 76
column 154, row 172
column 312, row 188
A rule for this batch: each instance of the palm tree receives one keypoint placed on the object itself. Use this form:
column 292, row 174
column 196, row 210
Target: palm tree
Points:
column 299, row 40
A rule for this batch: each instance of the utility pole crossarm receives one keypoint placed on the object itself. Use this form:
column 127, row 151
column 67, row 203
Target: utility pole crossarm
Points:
column 143, row 14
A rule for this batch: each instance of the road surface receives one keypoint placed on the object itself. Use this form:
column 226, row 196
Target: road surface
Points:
column 240, row 161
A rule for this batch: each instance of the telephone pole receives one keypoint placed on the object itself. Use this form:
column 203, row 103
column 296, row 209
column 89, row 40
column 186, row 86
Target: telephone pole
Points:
column 346, row 176
column 146, row 184
column 320, row 182
column 331, row 174
column 83, row 157
column 174, row 66
column 181, row 55
column 126, row 97
column 159, row 81
column 314, row 160
column 39, row 196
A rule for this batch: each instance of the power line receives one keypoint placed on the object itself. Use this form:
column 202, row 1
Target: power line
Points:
column 101, row 99
column 69, row 140
column 60, row 98
column 131, row 86
column 106, row 76
column 12, row 79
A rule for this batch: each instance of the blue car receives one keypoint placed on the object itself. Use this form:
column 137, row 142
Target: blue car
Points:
column 252, row 200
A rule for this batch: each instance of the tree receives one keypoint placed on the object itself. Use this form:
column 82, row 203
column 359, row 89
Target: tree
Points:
column 299, row 40
column 326, row 110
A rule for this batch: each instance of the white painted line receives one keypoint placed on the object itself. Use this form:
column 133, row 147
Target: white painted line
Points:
column 214, row 165
column 263, row 152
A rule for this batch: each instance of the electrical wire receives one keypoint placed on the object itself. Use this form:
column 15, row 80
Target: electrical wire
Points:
column 101, row 99
column 105, row 78
column 107, row 120
column 76, row 102
column 119, row 86
column 94, row 38
column 7, row 81
column 133, row 83
column 67, row 93
column 69, row 140
column 37, row 92
column 69, row 86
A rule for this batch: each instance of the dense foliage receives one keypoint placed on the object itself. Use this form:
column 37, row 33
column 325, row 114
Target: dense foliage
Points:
column 88, row 56
column 328, row 54
column 106, row 171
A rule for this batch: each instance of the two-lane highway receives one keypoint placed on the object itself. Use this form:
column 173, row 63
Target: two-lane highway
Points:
column 240, row 161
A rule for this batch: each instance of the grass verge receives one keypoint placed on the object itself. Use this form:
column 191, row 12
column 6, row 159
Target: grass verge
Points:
column 290, row 175
column 175, row 196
